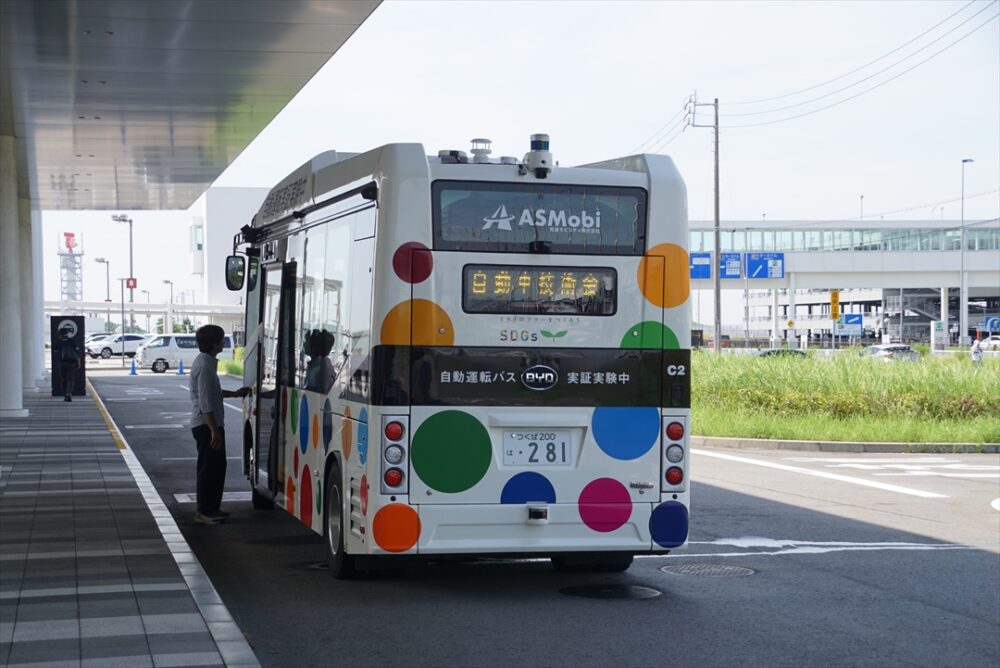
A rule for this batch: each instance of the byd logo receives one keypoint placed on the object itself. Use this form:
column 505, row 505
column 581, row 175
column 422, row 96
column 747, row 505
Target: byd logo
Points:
column 539, row 377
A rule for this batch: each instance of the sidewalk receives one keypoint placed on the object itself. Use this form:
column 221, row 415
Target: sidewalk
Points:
column 93, row 569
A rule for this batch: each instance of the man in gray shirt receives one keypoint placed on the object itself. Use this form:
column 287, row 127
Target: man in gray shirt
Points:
column 208, row 424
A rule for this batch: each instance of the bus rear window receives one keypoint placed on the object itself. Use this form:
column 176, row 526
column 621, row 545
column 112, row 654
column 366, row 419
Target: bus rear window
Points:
column 539, row 218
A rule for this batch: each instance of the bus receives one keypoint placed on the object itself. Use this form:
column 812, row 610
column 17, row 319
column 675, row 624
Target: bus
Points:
column 470, row 356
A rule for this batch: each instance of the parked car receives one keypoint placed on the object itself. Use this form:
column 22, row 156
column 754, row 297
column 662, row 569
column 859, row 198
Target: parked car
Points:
column 892, row 352
column 96, row 337
column 779, row 352
column 113, row 345
column 991, row 342
column 169, row 350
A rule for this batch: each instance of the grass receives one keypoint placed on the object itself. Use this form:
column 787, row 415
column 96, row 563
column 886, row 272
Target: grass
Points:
column 941, row 399
column 232, row 367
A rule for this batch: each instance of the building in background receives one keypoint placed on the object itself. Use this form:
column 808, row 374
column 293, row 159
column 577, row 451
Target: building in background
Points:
column 216, row 217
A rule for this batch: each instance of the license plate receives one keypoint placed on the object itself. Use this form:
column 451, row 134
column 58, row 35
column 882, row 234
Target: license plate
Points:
column 537, row 448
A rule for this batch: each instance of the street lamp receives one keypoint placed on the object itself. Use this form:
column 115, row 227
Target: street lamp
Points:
column 122, row 337
column 107, row 298
column 168, row 325
column 146, row 292
column 963, row 297
column 862, row 208
column 122, row 218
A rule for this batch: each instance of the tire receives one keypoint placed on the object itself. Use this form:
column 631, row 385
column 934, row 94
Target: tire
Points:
column 342, row 565
column 105, row 353
column 159, row 366
column 259, row 501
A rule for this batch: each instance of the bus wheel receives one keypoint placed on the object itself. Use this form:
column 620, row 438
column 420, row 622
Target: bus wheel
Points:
column 618, row 563
column 259, row 501
column 585, row 563
column 342, row 565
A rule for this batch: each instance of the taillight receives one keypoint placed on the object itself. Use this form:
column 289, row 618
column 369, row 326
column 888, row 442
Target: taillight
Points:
column 394, row 477
column 675, row 431
column 394, row 431
column 674, row 453
column 394, row 454
column 395, row 462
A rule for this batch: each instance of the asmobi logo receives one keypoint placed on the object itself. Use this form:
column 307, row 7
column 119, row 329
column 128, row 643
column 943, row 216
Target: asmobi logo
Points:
column 554, row 219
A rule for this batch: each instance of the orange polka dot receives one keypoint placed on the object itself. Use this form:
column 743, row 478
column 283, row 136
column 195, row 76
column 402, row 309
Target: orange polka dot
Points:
column 346, row 434
column 664, row 275
column 396, row 527
column 430, row 325
column 315, row 431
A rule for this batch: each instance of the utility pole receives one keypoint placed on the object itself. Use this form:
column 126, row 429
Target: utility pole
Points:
column 716, row 279
column 122, row 218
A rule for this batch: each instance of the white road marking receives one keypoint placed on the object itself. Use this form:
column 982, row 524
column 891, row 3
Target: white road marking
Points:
column 171, row 425
column 186, row 459
column 226, row 496
column 995, row 503
column 772, row 547
column 235, row 408
column 914, row 466
column 108, row 401
column 186, row 387
column 822, row 474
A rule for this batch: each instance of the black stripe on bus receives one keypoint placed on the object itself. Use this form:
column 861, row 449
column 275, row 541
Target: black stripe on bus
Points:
column 443, row 376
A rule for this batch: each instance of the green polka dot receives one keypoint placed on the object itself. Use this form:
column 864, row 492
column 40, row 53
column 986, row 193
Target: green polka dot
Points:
column 451, row 451
column 295, row 410
column 649, row 334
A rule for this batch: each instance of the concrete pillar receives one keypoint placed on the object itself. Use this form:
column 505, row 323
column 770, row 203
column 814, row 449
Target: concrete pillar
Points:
column 775, row 328
column 944, row 308
column 38, row 297
column 11, row 401
column 30, row 336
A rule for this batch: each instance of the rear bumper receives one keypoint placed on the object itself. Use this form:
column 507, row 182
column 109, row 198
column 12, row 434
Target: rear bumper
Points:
column 508, row 529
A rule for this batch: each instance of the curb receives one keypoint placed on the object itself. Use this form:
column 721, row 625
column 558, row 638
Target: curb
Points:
column 842, row 446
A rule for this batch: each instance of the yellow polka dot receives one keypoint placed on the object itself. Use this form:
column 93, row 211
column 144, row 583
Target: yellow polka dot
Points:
column 346, row 434
column 430, row 325
column 664, row 275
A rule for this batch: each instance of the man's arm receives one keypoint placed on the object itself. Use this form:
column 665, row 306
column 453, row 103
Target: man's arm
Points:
column 209, row 418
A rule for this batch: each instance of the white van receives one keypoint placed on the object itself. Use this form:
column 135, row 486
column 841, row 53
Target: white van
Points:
column 168, row 351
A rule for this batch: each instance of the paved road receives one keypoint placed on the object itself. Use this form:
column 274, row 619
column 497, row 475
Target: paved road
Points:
column 795, row 559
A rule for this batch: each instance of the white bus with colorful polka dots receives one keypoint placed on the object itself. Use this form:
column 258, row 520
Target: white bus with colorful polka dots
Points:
column 456, row 357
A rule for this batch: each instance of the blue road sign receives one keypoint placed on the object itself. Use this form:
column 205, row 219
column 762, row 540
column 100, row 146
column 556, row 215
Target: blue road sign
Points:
column 701, row 265
column 853, row 319
column 989, row 324
column 730, row 265
column 766, row 265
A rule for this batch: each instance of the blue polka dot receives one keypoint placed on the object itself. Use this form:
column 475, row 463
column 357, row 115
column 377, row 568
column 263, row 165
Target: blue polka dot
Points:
column 304, row 424
column 327, row 425
column 668, row 524
column 625, row 433
column 363, row 436
column 528, row 486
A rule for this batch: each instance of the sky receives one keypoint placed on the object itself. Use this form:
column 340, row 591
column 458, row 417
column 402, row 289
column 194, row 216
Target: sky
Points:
column 605, row 79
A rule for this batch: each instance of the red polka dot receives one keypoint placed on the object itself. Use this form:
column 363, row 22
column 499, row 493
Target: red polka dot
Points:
column 411, row 266
column 306, row 498
column 364, row 495
column 605, row 505
column 295, row 462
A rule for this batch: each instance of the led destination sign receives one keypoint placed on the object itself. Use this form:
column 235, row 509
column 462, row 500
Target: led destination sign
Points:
column 515, row 289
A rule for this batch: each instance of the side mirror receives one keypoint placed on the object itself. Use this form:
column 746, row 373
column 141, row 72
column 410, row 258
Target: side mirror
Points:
column 235, row 272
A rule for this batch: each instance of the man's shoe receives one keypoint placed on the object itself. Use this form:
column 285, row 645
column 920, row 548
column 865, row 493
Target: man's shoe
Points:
column 67, row 398
column 207, row 519
column 220, row 513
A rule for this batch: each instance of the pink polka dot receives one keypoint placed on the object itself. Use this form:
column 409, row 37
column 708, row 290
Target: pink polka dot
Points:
column 295, row 462
column 605, row 505
column 410, row 266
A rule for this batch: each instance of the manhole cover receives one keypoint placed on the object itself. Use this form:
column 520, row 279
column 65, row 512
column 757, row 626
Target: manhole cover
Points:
column 709, row 570
column 319, row 566
column 611, row 591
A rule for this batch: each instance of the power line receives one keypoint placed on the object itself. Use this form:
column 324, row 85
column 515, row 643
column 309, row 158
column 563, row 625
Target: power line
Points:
column 663, row 144
column 660, row 133
column 868, row 90
column 867, row 78
column 857, row 69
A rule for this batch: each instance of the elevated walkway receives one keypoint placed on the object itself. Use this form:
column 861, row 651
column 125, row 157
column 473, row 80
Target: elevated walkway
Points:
column 93, row 569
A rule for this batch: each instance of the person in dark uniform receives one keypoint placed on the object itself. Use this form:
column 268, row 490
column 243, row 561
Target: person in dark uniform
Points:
column 69, row 356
